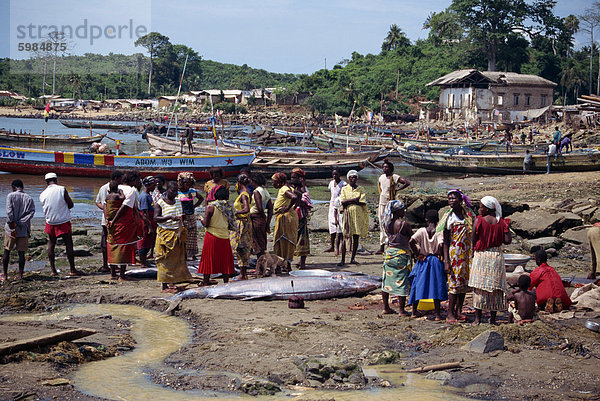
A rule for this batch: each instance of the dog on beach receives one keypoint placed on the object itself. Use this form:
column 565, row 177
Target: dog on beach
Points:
column 269, row 264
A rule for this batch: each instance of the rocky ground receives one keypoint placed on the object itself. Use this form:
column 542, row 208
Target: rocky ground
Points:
column 271, row 347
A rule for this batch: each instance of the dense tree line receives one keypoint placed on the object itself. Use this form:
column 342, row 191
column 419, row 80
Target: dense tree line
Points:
column 502, row 35
column 522, row 36
column 98, row 77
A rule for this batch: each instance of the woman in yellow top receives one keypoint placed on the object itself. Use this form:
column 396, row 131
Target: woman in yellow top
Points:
column 217, row 257
column 169, row 250
column 356, row 217
column 286, row 219
column 241, row 238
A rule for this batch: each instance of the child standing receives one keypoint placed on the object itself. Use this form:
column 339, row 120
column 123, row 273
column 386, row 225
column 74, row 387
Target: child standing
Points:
column 427, row 277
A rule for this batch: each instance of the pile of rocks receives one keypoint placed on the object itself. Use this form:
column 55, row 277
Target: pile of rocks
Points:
column 331, row 372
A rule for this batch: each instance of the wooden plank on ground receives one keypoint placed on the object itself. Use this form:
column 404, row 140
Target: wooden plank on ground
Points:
column 53, row 338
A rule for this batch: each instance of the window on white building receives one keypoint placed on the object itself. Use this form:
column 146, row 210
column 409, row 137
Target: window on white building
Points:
column 516, row 99
column 544, row 100
column 500, row 100
column 528, row 100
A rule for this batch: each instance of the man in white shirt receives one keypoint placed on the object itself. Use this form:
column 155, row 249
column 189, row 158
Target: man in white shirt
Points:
column 101, row 202
column 57, row 204
column 388, row 184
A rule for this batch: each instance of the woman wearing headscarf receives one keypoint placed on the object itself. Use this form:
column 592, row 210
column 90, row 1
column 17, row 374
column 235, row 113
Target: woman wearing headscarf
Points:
column 190, row 200
column 261, row 212
column 303, row 206
column 241, row 238
column 488, row 271
column 219, row 220
column 285, row 235
column 356, row 217
column 396, row 258
column 169, row 251
column 457, row 226
column 335, row 188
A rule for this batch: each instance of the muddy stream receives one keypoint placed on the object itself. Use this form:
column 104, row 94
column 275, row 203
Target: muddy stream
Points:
column 126, row 377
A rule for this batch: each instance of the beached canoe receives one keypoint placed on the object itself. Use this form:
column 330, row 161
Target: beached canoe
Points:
column 40, row 162
column 12, row 137
column 314, row 153
column 442, row 144
column 100, row 125
column 314, row 168
column 490, row 163
column 171, row 146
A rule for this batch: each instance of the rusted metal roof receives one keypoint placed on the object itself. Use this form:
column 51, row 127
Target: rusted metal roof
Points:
column 474, row 77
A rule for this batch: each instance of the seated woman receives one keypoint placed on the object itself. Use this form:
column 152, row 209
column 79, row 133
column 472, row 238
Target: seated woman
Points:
column 550, row 291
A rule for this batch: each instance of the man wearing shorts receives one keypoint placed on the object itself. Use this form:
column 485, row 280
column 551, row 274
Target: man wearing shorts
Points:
column 19, row 212
column 57, row 205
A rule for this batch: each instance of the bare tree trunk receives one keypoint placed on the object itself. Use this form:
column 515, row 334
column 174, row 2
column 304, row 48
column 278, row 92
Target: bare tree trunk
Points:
column 44, row 80
column 53, row 75
column 598, row 84
column 591, row 56
column 492, row 56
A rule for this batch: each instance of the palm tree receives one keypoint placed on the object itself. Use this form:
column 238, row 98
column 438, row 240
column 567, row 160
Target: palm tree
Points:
column 571, row 78
column 395, row 39
column 75, row 80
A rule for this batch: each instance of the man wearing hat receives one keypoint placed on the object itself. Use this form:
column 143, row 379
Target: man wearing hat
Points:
column 57, row 205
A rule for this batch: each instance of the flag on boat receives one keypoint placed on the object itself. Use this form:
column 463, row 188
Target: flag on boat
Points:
column 369, row 115
column 47, row 112
column 338, row 119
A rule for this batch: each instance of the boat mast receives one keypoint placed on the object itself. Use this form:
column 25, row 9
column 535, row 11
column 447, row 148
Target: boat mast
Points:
column 348, row 128
column 177, row 97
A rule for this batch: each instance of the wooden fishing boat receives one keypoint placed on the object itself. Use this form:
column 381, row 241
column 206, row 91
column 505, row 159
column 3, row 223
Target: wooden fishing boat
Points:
column 12, row 137
column 40, row 162
column 100, row 125
column 329, row 141
column 314, row 168
column 171, row 146
column 489, row 163
column 314, row 153
column 442, row 144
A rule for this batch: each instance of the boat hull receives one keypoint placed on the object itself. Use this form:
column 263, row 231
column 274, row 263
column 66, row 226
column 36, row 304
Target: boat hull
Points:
column 502, row 163
column 38, row 162
column 50, row 139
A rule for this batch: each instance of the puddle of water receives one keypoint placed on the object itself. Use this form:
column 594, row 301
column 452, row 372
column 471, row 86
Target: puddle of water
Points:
column 124, row 377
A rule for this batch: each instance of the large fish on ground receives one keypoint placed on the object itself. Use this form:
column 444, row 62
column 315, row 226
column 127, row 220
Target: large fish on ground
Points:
column 270, row 288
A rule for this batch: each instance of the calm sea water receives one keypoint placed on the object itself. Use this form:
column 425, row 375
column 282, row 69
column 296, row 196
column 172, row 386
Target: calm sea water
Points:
column 84, row 189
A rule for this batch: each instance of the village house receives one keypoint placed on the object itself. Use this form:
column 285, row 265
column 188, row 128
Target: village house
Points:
column 493, row 96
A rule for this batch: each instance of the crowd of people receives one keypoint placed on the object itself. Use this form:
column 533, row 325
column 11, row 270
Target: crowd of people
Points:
column 455, row 253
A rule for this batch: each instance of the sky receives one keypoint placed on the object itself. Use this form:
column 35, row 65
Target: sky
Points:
column 286, row 36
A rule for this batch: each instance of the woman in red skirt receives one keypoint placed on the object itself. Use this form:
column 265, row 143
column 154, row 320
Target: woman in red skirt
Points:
column 218, row 219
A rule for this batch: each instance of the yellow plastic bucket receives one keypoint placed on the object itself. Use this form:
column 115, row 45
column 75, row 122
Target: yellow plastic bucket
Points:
column 425, row 304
